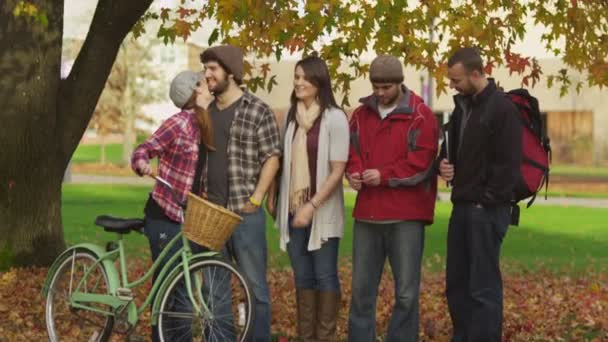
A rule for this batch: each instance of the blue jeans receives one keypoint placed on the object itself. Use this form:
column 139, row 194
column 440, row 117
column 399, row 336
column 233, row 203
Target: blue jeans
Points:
column 473, row 278
column 159, row 234
column 316, row 269
column 402, row 243
column 248, row 247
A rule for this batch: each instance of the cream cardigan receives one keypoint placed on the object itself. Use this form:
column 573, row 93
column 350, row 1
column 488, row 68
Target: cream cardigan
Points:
column 328, row 219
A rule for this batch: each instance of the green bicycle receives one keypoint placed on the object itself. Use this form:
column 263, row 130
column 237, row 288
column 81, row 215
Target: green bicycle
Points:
column 200, row 297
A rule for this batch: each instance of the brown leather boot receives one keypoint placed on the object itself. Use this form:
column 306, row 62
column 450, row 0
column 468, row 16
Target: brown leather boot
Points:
column 306, row 300
column 327, row 315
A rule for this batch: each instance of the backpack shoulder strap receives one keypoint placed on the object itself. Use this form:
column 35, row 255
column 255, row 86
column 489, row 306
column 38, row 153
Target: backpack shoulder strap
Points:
column 354, row 136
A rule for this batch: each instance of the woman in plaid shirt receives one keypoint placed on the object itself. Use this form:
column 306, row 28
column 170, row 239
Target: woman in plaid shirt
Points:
column 180, row 144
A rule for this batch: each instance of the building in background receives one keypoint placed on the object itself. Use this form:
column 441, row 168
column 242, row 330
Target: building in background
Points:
column 576, row 123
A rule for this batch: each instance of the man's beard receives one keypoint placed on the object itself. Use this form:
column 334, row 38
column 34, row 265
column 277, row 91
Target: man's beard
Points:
column 393, row 100
column 220, row 88
column 468, row 90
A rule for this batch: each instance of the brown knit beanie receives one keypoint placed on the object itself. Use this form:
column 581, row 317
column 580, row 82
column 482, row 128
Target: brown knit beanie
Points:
column 229, row 57
column 386, row 69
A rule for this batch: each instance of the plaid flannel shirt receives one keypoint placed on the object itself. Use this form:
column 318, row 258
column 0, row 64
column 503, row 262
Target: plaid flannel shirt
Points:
column 175, row 143
column 254, row 137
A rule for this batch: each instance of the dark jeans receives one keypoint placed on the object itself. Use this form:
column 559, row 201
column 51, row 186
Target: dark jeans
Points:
column 160, row 233
column 316, row 269
column 248, row 247
column 402, row 243
column 473, row 278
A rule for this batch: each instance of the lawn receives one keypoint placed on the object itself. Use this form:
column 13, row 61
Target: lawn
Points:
column 557, row 238
column 560, row 190
column 92, row 154
column 543, row 301
column 579, row 171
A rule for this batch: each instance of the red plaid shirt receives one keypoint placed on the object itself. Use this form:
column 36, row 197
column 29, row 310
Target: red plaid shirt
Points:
column 176, row 144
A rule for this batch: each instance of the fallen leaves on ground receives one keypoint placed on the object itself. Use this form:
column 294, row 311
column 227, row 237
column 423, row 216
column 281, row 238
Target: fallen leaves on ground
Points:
column 538, row 306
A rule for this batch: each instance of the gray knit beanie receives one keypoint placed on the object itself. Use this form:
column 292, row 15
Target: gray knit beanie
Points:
column 183, row 86
column 229, row 57
column 386, row 69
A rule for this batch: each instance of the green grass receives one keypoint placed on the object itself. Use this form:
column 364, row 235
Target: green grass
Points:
column 554, row 193
column 575, row 170
column 569, row 239
column 92, row 154
column 573, row 194
column 556, row 190
column 82, row 203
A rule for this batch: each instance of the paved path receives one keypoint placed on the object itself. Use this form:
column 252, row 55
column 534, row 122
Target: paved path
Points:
column 97, row 179
column 443, row 196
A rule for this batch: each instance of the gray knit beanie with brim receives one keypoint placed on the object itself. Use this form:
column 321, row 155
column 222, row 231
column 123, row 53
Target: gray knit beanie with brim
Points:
column 386, row 69
column 183, row 86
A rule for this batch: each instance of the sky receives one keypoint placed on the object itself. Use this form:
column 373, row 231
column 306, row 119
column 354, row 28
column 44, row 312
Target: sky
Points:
column 78, row 15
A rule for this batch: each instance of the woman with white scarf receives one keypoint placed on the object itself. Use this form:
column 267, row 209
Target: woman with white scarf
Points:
column 310, row 207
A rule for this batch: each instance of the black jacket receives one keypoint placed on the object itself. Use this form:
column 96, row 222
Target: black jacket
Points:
column 487, row 153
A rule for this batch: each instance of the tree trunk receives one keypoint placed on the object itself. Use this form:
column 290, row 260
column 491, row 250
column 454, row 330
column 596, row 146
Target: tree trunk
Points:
column 129, row 131
column 129, row 140
column 32, row 164
column 34, row 216
column 30, row 185
column 102, row 149
column 43, row 118
column 127, row 107
column 30, row 188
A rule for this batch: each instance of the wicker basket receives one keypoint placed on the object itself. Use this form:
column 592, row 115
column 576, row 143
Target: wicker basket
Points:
column 208, row 224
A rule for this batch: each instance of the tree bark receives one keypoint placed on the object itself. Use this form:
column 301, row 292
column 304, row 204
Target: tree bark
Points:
column 128, row 136
column 44, row 118
column 102, row 149
column 128, row 112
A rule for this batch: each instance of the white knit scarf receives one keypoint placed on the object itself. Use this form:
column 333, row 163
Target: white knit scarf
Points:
column 300, row 176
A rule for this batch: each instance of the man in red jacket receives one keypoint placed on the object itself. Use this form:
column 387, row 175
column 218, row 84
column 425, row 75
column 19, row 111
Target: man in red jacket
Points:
column 394, row 142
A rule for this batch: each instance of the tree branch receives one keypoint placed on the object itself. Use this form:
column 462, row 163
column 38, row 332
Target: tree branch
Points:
column 79, row 93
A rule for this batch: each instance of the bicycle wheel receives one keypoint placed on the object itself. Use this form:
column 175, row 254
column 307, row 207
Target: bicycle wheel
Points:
column 66, row 323
column 225, row 293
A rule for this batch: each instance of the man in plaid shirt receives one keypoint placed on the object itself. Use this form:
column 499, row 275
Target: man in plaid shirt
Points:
column 239, row 172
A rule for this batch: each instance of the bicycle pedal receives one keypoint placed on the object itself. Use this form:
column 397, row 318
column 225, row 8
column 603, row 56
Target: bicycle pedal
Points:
column 124, row 294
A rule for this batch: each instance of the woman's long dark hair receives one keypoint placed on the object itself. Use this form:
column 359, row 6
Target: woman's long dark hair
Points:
column 204, row 122
column 317, row 73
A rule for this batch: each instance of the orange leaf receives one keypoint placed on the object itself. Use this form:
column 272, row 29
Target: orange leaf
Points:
column 182, row 28
column 265, row 68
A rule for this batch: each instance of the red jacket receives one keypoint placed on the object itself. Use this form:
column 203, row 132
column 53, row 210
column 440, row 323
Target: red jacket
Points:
column 403, row 147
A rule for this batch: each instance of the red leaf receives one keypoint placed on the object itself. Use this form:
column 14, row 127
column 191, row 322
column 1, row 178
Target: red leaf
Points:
column 164, row 14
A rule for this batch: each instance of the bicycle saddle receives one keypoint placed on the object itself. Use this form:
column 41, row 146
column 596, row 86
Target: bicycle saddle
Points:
column 119, row 225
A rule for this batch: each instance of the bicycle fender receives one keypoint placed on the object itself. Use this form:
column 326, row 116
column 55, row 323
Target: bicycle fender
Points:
column 98, row 251
column 165, row 284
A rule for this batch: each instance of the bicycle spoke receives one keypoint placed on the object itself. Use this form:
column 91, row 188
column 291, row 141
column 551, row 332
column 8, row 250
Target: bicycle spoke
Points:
column 65, row 322
column 221, row 332
column 222, row 290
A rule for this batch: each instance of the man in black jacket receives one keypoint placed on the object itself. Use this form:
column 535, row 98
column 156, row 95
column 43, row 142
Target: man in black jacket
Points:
column 480, row 157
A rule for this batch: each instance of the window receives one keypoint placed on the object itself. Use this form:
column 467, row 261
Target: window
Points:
column 167, row 54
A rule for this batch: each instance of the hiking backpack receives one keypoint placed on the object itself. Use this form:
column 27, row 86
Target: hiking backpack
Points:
column 536, row 151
